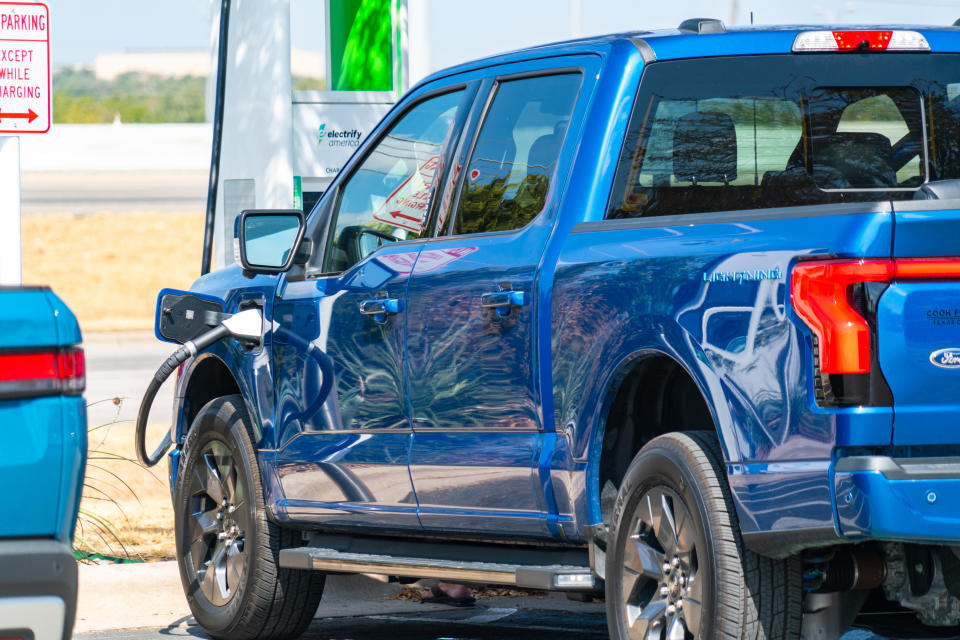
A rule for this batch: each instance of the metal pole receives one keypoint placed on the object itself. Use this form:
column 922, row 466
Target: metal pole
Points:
column 10, row 256
column 217, row 138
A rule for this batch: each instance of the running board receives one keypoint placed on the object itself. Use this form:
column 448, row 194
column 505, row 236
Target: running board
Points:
column 533, row 568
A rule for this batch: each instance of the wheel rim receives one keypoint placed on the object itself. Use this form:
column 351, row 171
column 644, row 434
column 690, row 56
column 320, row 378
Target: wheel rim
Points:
column 218, row 523
column 662, row 579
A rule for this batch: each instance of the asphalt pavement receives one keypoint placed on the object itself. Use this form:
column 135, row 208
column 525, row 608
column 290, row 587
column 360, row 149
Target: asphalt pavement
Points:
column 476, row 623
column 120, row 365
column 92, row 191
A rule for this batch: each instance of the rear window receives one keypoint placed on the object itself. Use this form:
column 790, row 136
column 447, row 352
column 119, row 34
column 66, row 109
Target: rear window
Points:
column 722, row 134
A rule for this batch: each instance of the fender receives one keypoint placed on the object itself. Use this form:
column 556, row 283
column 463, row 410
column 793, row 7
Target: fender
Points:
column 707, row 383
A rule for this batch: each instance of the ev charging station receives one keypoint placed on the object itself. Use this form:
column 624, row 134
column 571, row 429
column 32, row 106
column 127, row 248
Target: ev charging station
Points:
column 280, row 148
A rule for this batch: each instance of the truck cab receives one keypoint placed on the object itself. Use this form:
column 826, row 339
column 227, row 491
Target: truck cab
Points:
column 660, row 315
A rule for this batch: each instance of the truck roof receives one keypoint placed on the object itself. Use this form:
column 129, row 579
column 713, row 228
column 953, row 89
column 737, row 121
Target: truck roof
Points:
column 672, row 44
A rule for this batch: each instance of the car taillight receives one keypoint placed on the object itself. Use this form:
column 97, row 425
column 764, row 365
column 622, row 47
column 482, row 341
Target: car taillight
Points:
column 820, row 294
column 43, row 372
column 837, row 300
column 860, row 40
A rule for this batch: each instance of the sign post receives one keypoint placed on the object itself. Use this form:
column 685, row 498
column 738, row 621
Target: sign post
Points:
column 25, row 107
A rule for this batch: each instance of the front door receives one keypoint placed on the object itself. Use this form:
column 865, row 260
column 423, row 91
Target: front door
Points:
column 342, row 414
column 471, row 313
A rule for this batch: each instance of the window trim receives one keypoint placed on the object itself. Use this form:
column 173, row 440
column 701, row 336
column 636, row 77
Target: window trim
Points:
column 497, row 80
column 356, row 161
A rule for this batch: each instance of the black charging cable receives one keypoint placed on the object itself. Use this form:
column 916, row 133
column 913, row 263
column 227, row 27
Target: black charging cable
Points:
column 184, row 353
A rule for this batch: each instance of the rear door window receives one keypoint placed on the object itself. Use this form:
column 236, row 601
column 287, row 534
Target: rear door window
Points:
column 508, row 176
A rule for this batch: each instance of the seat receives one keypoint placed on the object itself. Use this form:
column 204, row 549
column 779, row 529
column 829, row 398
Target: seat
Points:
column 705, row 148
column 864, row 160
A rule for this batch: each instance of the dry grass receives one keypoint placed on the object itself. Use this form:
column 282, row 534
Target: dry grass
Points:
column 142, row 517
column 108, row 267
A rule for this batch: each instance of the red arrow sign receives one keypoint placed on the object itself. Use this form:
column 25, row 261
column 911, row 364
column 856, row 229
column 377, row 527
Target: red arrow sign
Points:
column 30, row 116
column 397, row 214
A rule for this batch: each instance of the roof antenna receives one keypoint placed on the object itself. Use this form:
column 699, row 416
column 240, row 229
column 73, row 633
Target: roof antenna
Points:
column 751, row 18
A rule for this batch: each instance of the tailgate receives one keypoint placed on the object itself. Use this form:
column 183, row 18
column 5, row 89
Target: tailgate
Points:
column 918, row 321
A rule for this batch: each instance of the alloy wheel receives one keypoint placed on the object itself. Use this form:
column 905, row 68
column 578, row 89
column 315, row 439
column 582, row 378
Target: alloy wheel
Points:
column 662, row 579
column 218, row 524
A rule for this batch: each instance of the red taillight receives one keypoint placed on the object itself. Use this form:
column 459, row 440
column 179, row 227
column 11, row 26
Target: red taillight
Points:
column 72, row 370
column 863, row 40
column 818, row 292
column 820, row 295
column 860, row 40
column 41, row 372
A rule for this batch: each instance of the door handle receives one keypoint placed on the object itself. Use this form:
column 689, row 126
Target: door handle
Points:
column 380, row 308
column 503, row 301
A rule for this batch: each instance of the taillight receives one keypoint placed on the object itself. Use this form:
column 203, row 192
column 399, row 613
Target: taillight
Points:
column 44, row 372
column 860, row 40
column 837, row 300
column 820, row 294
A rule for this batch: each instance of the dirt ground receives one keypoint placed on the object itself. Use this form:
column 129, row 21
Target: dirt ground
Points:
column 126, row 509
column 108, row 267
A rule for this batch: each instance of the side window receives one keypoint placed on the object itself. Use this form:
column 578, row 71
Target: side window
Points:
column 881, row 144
column 508, row 176
column 388, row 196
column 732, row 141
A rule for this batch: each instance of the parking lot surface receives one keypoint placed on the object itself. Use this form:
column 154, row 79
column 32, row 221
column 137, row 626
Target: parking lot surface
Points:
column 476, row 623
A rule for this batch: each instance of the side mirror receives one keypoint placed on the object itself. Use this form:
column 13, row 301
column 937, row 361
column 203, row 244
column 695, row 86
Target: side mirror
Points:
column 182, row 316
column 269, row 239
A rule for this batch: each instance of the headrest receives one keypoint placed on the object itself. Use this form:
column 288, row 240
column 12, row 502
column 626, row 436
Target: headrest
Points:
column 863, row 158
column 705, row 147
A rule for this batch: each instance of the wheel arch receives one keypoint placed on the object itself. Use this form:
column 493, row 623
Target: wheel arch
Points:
column 618, row 437
column 209, row 377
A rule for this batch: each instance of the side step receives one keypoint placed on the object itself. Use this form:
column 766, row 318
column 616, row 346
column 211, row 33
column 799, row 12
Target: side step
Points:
column 532, row 567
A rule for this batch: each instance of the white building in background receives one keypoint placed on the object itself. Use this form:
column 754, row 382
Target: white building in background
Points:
column 108, row 66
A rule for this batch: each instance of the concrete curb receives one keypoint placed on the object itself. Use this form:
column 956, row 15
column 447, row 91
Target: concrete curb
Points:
column 132, row 596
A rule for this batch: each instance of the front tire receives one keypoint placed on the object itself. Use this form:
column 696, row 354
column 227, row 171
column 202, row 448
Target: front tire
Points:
column 227, row 549
column 677, row 568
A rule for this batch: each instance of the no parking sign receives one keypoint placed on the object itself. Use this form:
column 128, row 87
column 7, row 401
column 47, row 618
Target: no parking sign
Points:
column 24, row 68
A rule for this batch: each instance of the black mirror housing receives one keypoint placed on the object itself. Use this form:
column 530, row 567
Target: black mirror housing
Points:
column 264, row 237
column 183, row 316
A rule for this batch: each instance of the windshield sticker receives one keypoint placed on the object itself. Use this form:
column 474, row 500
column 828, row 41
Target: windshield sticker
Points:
column 406, row 207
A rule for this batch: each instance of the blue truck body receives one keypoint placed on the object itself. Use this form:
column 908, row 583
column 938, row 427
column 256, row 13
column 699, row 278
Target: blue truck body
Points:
column 42, row 462
column 448, row 422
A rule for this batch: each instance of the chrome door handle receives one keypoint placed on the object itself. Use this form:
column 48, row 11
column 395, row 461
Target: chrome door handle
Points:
column 380, row 308
column 503, row 301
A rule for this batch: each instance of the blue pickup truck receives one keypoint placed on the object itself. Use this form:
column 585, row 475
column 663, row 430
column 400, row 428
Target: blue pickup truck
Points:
column 43, row 419
column 670, row 317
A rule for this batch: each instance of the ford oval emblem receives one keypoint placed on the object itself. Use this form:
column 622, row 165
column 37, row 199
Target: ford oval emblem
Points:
column 946, row 358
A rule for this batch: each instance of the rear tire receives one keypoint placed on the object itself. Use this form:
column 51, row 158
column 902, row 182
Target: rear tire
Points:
column 227, row 549
column 677, row 568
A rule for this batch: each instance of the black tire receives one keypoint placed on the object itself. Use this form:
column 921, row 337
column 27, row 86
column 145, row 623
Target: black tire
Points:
column 250, row 597
column 665, row 558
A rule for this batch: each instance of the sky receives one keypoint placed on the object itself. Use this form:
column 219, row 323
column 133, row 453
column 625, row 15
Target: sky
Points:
column 83, row 28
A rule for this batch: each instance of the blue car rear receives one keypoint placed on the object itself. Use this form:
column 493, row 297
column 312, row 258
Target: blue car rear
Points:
column 43, row 420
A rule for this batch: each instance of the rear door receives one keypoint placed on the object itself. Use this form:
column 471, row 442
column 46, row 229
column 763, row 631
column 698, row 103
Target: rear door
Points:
column 472, row 317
